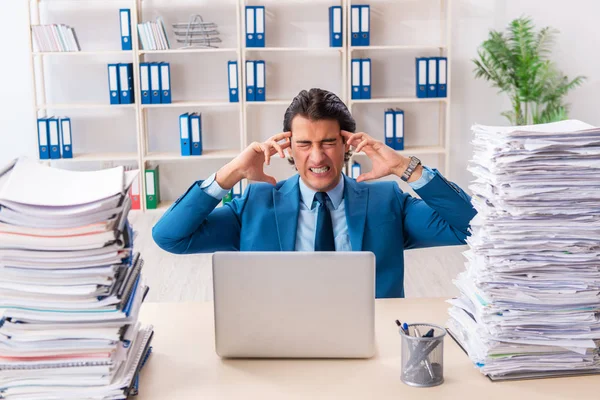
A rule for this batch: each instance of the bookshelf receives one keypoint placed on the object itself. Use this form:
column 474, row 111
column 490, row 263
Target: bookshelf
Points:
column 289, row 58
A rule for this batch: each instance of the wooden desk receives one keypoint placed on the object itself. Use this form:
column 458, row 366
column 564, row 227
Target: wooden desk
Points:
column 184, row 365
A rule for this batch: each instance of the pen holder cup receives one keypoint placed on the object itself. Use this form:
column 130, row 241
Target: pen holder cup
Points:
column 423, row 357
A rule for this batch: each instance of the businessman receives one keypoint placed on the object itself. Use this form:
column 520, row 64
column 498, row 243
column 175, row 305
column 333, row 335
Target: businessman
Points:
column 319, row 208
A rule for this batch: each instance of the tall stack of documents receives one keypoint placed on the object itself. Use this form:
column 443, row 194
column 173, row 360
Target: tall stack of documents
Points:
column 70, row 285
column 530, row 303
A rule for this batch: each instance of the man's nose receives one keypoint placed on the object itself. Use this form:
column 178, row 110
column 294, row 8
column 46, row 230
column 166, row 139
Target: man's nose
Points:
column 317, row 154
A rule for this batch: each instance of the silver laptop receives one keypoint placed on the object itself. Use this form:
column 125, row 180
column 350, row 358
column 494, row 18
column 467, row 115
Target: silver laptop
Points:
column 294, row 304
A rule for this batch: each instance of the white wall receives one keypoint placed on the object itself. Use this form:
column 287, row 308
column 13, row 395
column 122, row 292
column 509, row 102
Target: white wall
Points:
column 474, row 101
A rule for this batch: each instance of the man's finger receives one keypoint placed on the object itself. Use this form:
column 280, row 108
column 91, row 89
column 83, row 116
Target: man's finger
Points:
column 346, row 134
column 280, row 136
column 366, row 176
column 361, row 145
column 278, row 148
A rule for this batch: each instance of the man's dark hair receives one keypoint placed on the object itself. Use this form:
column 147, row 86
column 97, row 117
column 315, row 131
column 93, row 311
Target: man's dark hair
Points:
column 317, row 105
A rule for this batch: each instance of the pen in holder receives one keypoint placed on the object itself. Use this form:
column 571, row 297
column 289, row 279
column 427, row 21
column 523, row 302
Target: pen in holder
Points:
column 422, row 354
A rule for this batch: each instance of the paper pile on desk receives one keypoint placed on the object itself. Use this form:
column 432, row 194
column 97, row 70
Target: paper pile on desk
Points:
column 530, row 298
column 70, row 285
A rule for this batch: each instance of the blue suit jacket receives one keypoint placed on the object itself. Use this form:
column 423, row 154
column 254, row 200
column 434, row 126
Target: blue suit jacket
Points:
column 381, row 218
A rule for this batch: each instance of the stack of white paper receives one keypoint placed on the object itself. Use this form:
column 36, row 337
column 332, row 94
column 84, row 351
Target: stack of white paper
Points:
column 530, row 303
column 70, row 285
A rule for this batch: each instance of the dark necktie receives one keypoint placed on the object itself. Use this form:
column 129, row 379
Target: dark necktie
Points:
column 324, row 240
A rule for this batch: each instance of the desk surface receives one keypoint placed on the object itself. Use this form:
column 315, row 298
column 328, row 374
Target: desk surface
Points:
column 184, row 365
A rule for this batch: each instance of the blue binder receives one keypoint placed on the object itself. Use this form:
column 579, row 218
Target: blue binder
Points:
column 184, row 134
column 442, row 68
column 399, row 129
column 388, row 127
column 335, row 26
column 250, row 85
column 232, row 78
column 432, row 77
column 356, row 78
column 165, row 82
column 259, row 15
column 260, row 80
column 250, row 26
column 421, row 73
column 113, row 83
column 355, row 172
column 43, row 139
column 66, row 138
column 365, row 28
column 155, row 83
column 365, row 82
column 236, row 190
column 145, row 83
column 196, row 130
column 54, row 137
column 125, row 17
column 126, row 83
column 355, row 39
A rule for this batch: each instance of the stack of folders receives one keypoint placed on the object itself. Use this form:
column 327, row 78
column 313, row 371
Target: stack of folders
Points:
column 235, row 192
column 54, row 138
column 153, row 35
column 70, row 285
column 360, row 15
column 361, row 78
column 432, row 75
column 529, row 304
column 152, row 187
column 190, row 134
column 394, row 128
column 355, row 171
column 255, row 26
column 120, row 83
column 155, row 82
column 256, row 80
column 50, row 38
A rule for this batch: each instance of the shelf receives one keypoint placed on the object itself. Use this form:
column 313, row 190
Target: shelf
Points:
column 401, row 100
column 180, row 104
column 83, row 106
column 418, row 150
column 327, row 49
column 398, row 47
column 269, row 103
column 207, row 154
column 179, row 51
column 82, row 53
column 92, row 157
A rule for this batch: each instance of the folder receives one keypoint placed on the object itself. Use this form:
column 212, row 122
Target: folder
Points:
column 399, row 129
column 184, row 134
column 421, row 67
column 250, row 86
column 155, row 83
column 196, row 129
column 432, row 77
column 54, row 138
column 43, row 139
column 356, row 78
column 165, row 82
column 388, row 127
column 145, row 83
column 259, row 15
column 66, row 139
column 335, row 26
column 442, row 67
column 365, row 82
column 232, row 73
column 152, row 188
column 355, row 173
column 126, row 83
column 250, row 26
column 228, row 197
column 365, row 17
column 113, row 83
column 355, row 40
column 125, row 15
column 134, row 194
column 259, row 68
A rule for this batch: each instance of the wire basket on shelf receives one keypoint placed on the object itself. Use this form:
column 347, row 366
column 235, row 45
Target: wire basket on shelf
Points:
column 196, row 33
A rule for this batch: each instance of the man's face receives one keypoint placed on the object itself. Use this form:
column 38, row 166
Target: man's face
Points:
column 318, row 151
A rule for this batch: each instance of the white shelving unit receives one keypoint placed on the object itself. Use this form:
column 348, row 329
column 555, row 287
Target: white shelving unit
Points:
column 236, row 50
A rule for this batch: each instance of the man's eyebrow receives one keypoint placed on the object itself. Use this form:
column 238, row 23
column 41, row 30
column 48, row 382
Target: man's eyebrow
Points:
column 329, row 140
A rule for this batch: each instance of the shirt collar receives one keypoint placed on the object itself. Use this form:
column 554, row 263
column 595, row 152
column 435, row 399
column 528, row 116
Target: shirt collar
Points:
column 307, row 195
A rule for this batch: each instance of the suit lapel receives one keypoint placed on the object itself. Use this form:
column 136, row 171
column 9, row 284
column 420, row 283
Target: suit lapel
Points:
column 355, row 201
column 286, row 201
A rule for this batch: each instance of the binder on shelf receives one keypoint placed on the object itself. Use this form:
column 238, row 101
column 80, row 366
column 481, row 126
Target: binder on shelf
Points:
column 365, row 82
column 399, row 129
column 134, row 194
column 232, row 78
column 356, row 78
column 250, row 26
column 250, row 86
column 184, row 134
column 355, row 172
column 236, row 190
column 125, row 16
column 228, row 197
column 259, row 15
column 432, row 77
column 54, row 138
column 196, row 129
column 145, row 83
column 165, row 83
column 365, row 19
column 44, row 150
column 155, row 83
column 152, row 188
column 421, row 74
column 355, row 39
column 335, row 26
column 442, row 68
column 259, row 68
column 66, row 139
column 126, row 83
column 113, row 83
column 388, row 127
